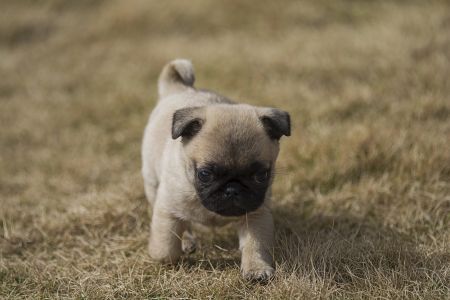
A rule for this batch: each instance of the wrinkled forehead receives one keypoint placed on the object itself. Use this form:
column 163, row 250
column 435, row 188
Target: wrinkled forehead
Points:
column 233, row 150
column 234, row 139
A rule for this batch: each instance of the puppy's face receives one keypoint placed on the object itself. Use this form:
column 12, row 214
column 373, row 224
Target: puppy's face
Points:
column 231, row 152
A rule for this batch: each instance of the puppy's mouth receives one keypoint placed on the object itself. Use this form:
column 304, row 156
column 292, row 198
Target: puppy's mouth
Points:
column 231, row 207
column 232, row 211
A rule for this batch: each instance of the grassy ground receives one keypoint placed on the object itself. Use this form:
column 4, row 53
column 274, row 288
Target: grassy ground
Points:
column 362, row 198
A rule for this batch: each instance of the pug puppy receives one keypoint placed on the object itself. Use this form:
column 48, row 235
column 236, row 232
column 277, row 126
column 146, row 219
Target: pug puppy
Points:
column 209, row 160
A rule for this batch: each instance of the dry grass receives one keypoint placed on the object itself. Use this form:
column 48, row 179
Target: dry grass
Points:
column 362, row 199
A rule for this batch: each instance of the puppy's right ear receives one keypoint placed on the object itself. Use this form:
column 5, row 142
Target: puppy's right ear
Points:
column 187, row 122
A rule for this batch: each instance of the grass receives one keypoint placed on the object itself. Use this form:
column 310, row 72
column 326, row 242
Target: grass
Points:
column 362, row 197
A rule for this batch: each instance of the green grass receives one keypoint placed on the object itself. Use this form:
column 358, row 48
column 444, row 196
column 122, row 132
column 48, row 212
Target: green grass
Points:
column 362, row 195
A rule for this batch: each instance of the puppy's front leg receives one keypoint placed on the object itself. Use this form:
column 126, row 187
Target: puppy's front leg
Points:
column 256, row 244
column 165, row 236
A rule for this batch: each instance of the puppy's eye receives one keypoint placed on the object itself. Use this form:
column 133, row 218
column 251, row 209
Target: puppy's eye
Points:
column 262, row 177
column 204, row 175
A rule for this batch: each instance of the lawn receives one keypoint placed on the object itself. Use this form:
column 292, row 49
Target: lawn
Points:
column 361, row 200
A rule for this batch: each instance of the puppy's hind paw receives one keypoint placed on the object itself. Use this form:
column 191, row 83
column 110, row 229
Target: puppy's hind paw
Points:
column 188, row 243
column 260, row 275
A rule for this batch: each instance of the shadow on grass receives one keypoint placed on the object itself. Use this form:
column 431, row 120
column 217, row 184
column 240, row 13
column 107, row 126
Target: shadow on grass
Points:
column 348, row 251
column 210, row 263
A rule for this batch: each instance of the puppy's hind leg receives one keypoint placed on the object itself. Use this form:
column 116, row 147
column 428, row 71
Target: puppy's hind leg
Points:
column 188, row 242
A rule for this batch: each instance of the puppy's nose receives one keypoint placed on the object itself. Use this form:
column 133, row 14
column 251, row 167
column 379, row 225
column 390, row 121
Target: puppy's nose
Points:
column 232, row 190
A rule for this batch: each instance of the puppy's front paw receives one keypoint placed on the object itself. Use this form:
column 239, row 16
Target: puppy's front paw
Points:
column 166, row 256
column 261, row 274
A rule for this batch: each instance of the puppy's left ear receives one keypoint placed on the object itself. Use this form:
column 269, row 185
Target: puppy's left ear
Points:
column 276, row 122
column 187, row 122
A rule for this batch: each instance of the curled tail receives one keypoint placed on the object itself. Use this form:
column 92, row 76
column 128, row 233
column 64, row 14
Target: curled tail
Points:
column 175, row 77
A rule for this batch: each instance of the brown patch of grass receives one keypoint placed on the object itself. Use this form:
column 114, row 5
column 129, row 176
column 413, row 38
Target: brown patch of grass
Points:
column 362, row 198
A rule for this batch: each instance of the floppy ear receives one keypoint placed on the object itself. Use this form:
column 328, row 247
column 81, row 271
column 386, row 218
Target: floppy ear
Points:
column 187, row 122
column 276, row 122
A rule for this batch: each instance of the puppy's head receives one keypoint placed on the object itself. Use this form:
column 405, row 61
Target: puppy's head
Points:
column 231, row 152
